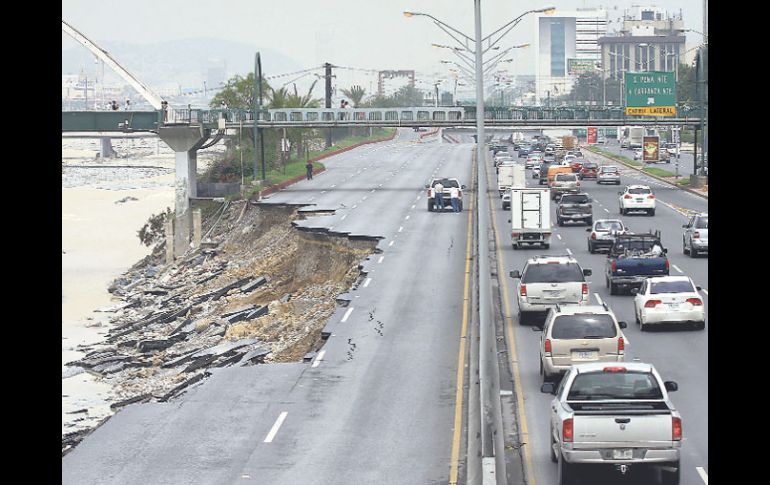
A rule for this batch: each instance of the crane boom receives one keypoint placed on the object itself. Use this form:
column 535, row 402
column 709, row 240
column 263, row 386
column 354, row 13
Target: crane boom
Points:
column 145, row 91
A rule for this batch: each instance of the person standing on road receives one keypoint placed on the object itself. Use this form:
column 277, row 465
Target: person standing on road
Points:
column 454, row 197
column 439, row 197
column 309, row 168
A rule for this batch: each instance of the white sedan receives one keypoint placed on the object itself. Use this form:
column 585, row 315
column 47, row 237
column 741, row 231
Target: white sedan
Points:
column 669, row 299
column 637, row 198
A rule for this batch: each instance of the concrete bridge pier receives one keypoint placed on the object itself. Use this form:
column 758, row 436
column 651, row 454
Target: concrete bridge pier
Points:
column 185, row 142
column 106, row 150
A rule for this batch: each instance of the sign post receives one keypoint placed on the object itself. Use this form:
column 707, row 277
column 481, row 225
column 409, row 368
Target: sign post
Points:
column 650, row 93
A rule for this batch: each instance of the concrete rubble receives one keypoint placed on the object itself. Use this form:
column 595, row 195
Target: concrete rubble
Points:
column 260, row 290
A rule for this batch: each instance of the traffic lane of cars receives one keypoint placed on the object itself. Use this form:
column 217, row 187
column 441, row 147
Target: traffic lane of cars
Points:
column 527, row 344
column 685, row 159
column 677, row 351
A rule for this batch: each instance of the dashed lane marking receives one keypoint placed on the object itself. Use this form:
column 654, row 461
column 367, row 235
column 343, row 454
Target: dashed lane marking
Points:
column 380, row 260
column 704, row 290
column 559, row 236
column 400, row 228
column 606, row 210
column 366, row 283
column 319, row 358
column 406, row 218
column 569, row 251
column 347, row 314
column 598, row 298
column 677, row 268
column 413, row 206
column 276, row 426
column 391, row 243
column 343, row 217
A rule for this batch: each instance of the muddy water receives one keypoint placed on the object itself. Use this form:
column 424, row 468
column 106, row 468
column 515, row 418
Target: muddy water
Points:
column 99, row 242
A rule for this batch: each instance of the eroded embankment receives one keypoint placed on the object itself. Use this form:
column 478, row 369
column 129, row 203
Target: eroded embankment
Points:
column 258, row 290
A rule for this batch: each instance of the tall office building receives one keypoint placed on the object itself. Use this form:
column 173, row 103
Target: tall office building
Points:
column 565, row 46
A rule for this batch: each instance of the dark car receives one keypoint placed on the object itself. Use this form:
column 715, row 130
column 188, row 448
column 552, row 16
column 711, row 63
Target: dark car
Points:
column 544, row 173
column 524, row 151
column 549, row 157
column 589, row 170
column 575, row 208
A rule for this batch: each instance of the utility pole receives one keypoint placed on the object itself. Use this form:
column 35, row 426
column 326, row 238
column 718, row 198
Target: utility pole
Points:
column 257, row 96
column 328, row 77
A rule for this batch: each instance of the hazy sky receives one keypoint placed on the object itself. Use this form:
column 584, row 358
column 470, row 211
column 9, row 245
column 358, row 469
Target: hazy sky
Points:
column 370, row 34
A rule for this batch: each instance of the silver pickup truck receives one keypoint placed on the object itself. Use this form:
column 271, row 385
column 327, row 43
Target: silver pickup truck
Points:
column 618, row 415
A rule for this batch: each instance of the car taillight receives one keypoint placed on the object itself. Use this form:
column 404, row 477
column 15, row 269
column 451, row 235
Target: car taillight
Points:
column 593, row 235
column 566, row 430
column 652, row 303
column 523, row 290
column 614, row 369
column 547, row 346
column 585, row 288
column 695, row 301
column 626, row 196
column 696, row 235
column 514, row 234
column 667, row 263
column 650, row 196
column 621, row 344
column 676, row 428
column 614, row 266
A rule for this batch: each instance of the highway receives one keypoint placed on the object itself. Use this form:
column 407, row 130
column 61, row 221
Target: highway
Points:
column 679, row 354
column 379, row 404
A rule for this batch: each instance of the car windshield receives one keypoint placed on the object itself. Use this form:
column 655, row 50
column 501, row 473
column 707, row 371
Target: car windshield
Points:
column 574, row 199
column 566, row 177
column 682, row 286
column 590, row 165
column 447, row 183
column 609, row 169
column 608, row 226
column 702, row 223
column 583, row 326
column 596, row 386
column 639, row 190
column 552, row 273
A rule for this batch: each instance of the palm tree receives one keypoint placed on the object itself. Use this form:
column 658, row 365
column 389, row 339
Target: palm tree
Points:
column 355, row 94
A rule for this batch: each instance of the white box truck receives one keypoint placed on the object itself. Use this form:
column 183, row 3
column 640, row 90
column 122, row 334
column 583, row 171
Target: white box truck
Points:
column 530, row 217
column 506, row 175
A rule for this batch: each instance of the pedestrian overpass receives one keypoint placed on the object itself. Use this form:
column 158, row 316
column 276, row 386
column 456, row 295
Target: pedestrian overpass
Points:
column 222, row 119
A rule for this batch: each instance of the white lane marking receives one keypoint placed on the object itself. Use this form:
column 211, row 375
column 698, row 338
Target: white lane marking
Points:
column 400, row 228
column 391, row 243
column 703, row 475
column 366, row 283
column 334, row 185
column 323, row 191
column 379, row 185
column 319, row 358
column 559, row 236
column 373, row 190
column 598, row 298
column 704, row 290
column 276, row 426
column 346, row 315
column 569, row 252
column 413, row 205
column 677, row 268
column 343, row 217
column 406, row 218
column 626, row 339
column 365, row 197
column 419, row 197
column 380, row 260
column 355, row 205
column 606, row 210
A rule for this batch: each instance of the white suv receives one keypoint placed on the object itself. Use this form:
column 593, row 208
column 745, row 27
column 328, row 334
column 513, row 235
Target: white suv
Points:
column 637, row 198
column 548, row 280
column 577, row 334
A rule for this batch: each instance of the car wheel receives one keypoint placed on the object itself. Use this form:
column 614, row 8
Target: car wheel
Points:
column 606, row 282
column 621, row 211
column 642, row 326
column 693, row 252
column 613, row 288
column 590, row 248
column 590, row 221
column 460, row 205
column 515, row 245
column 684, row 248
column 554, row 448
column 700, row 325
column 430, row 205
column 546, row 246
column 636, row 315
column 522, row 318
column 651, row 212
column 559, row 222
column 566, row 473
column 671, row 477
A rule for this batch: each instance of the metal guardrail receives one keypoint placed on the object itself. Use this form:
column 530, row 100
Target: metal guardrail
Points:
column 127, row 121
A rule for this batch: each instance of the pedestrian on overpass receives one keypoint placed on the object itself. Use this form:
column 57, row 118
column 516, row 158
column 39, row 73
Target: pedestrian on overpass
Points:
column 309, row 168
column 128, row 104
column 454, row 197
column 439, row 197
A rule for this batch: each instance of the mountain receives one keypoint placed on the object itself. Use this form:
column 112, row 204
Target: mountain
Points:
column 183, row 63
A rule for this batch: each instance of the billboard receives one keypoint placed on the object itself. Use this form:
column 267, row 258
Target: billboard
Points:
column 576, row 67
column 650, row 93
column 591, row 137
column 650, row 148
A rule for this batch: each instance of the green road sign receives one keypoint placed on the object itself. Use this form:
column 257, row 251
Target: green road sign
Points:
column 651, row 93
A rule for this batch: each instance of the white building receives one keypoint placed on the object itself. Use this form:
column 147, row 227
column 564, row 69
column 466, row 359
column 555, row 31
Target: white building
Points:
column 566, row 45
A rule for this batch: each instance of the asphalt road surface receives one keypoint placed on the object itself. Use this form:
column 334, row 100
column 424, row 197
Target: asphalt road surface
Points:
column 378, row 406
column 679, row 354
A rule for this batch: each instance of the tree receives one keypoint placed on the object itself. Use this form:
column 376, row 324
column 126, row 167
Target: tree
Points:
column 355, row 94
column 238, row 92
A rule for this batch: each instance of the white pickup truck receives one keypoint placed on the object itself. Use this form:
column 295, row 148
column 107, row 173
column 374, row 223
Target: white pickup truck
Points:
column 614, row 414
column 446, row 202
